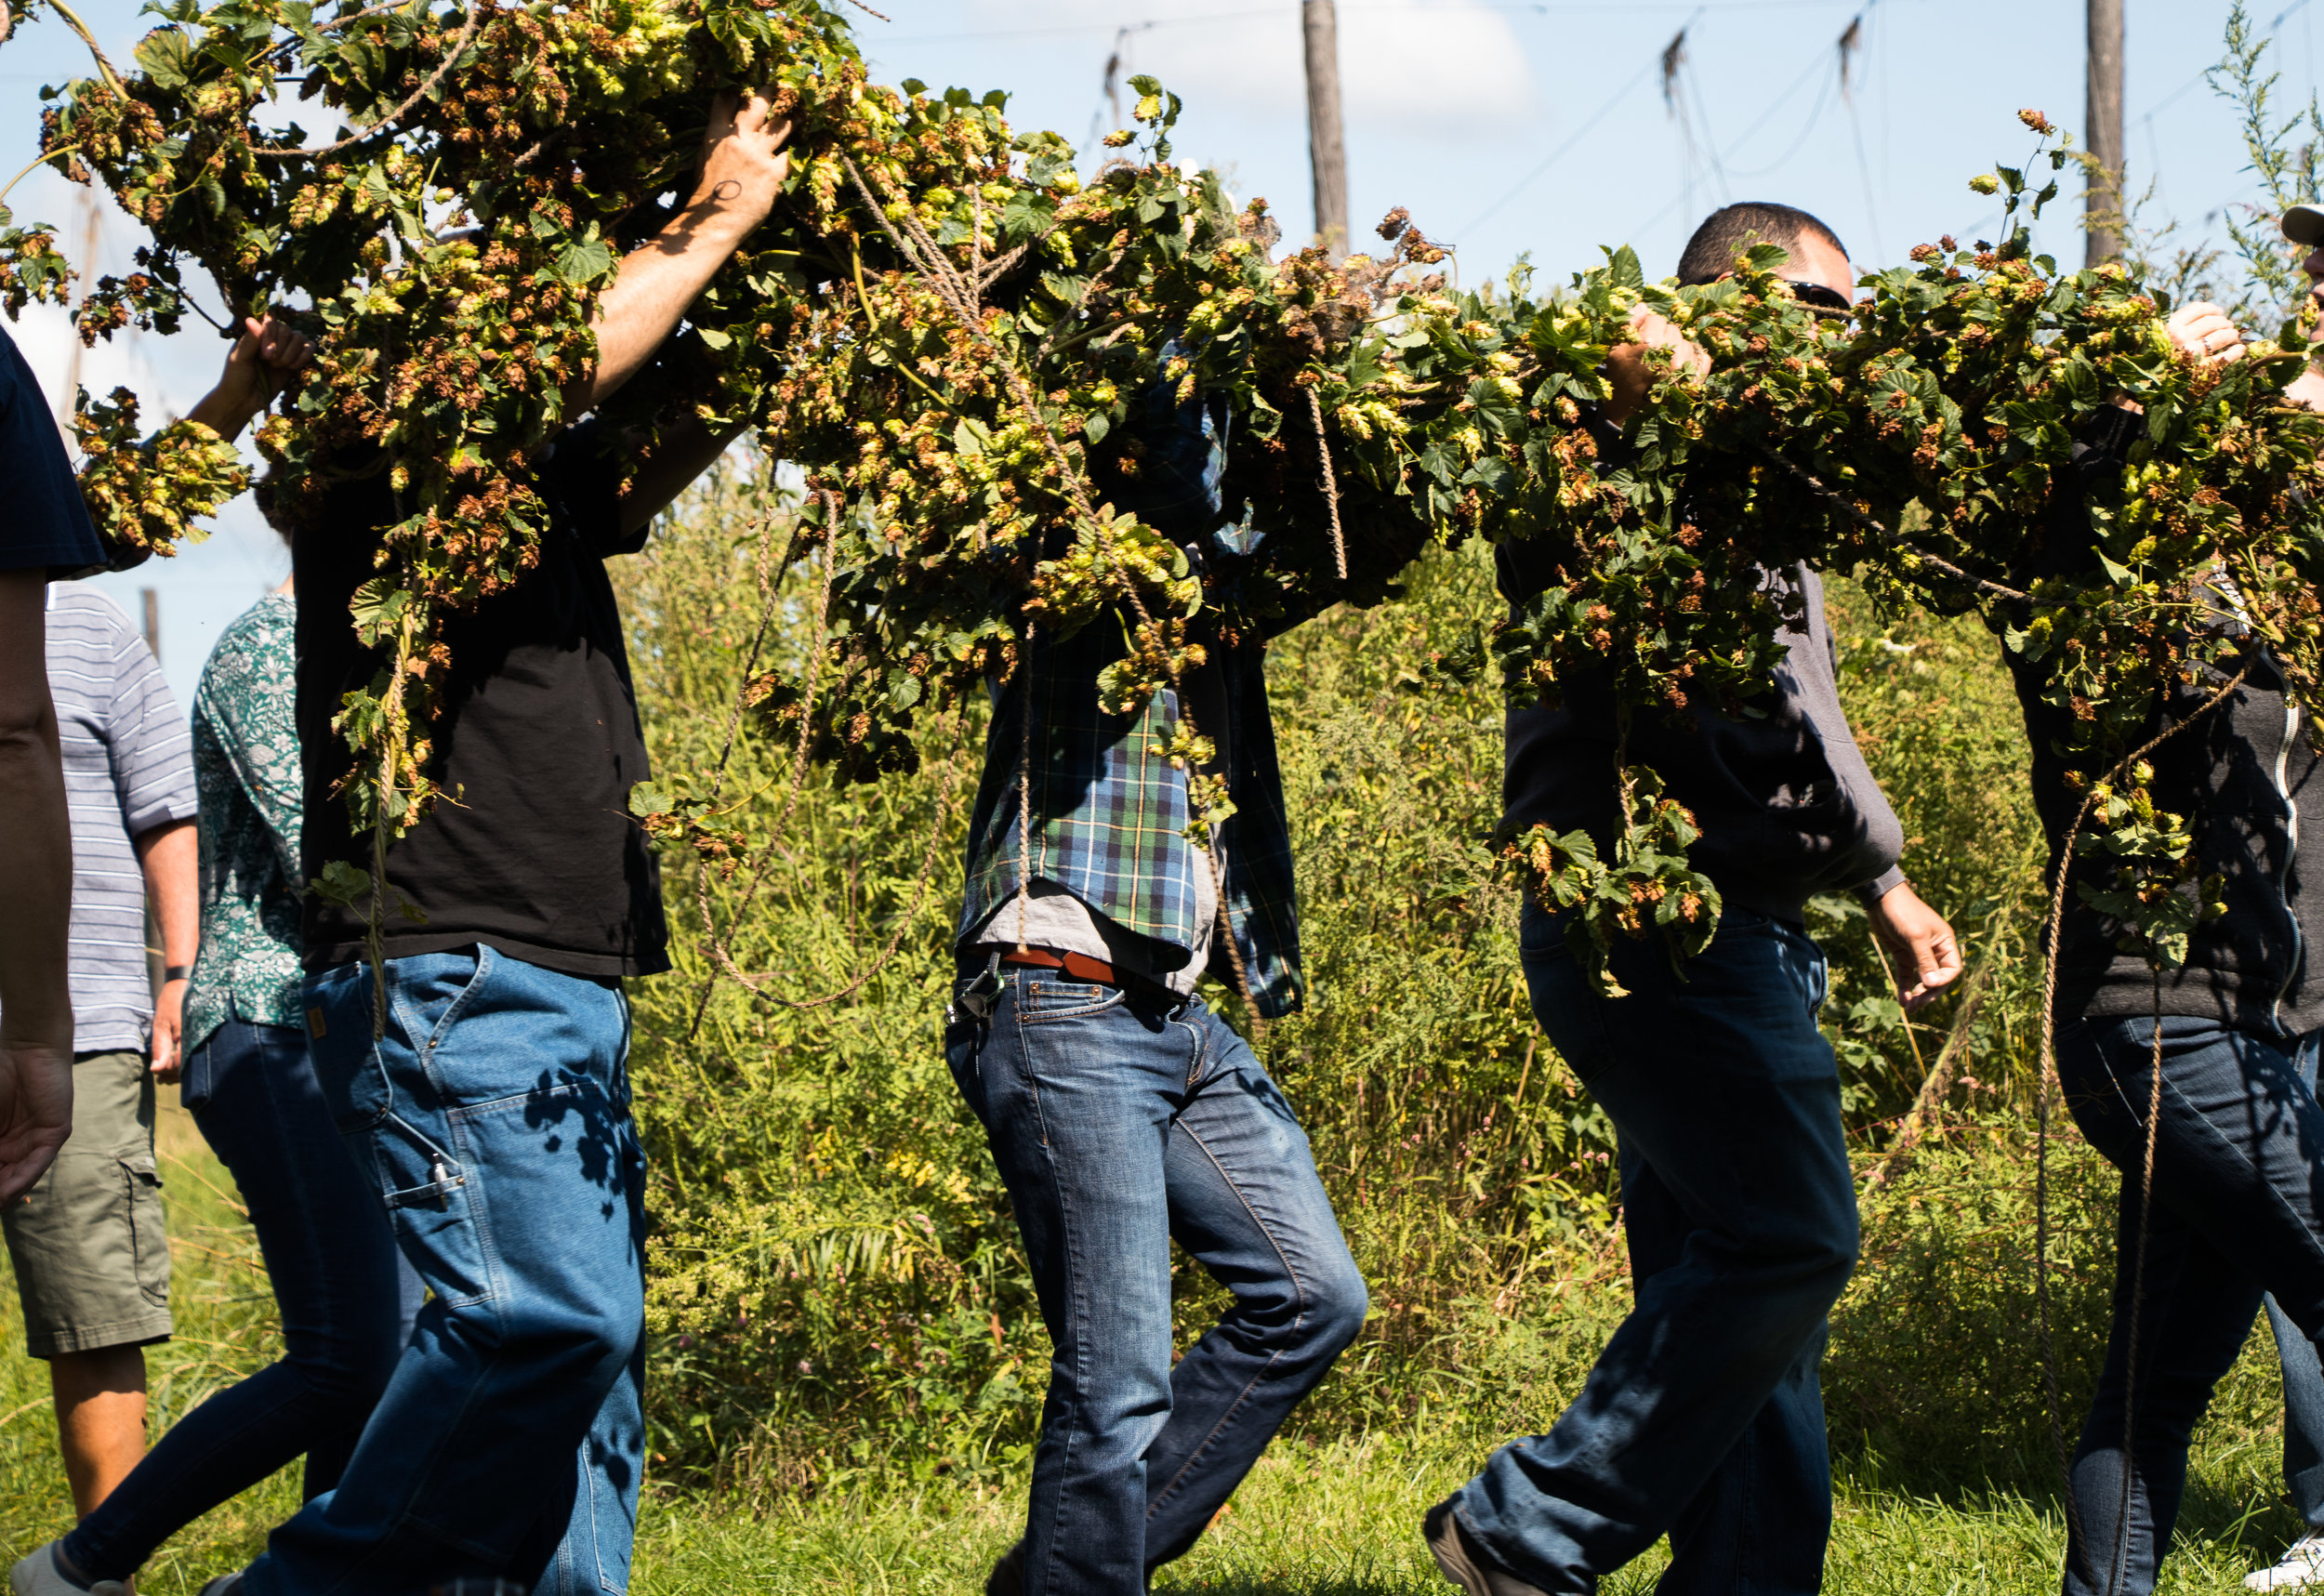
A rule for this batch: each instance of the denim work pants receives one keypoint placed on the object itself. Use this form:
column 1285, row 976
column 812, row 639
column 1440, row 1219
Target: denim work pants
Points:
column 1120, row 1119
column 2239, row 1209
column 2304, row 1406
column 493, row 1120
column 1703, row 1417
column 346, row 1298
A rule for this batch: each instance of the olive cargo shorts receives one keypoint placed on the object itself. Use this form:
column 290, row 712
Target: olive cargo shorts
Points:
column 91, row 1258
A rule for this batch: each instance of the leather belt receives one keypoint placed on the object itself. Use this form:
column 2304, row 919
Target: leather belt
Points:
column 1081, row 966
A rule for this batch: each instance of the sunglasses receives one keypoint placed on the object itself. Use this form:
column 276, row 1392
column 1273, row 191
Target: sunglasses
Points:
column 1818, row 297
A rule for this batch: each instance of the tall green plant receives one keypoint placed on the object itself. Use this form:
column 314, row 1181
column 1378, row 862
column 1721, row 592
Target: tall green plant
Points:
column 836, row 1279
column 2283, row 151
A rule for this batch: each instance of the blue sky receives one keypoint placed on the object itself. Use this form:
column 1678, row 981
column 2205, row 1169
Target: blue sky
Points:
column 1506, row 128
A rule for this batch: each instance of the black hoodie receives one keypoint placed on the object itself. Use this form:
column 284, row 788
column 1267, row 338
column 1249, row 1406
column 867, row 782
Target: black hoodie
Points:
column 1787, row 806
column 2244, row 776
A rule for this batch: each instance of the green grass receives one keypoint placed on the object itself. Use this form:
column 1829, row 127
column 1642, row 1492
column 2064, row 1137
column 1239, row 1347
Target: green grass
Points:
column 1317, row 1518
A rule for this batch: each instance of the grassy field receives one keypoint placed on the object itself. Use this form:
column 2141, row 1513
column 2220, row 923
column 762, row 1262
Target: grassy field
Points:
column 1333, row 1518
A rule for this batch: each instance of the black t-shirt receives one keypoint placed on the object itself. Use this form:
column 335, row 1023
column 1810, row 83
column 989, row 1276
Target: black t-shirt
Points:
column 531, row 850
column 45, row 525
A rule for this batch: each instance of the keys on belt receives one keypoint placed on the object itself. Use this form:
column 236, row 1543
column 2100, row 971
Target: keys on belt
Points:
column 977, row 995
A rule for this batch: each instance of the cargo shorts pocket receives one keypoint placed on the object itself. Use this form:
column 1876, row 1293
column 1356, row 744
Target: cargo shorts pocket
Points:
column 149, row 1235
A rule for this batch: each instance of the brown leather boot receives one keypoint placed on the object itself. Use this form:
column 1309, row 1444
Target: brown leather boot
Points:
column 1463, row 1561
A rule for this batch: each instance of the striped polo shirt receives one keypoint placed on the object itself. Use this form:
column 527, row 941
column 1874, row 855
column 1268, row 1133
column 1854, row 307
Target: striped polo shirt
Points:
column 128, row 767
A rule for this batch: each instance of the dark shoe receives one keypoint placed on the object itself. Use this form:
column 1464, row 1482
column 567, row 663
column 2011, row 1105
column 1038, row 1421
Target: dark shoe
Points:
column 1007, row 1576
column 1462, row 1561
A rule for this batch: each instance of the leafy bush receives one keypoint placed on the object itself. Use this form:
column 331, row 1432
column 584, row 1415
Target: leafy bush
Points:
column 836, row 1284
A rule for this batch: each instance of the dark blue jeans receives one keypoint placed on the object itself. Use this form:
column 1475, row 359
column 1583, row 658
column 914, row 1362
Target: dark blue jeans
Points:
column 347, row 1303
column 2239, row 1211
column 492, row 1122
column 2303, row 1403
column 1703, row 1418
column 1121, row 1119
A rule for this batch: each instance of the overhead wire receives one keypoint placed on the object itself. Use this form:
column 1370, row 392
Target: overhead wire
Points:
column 1807, row 130
column 1563, row 149
column 1692, row 88
column 1519, row 8
column 1855, row 127
column 1823, row 58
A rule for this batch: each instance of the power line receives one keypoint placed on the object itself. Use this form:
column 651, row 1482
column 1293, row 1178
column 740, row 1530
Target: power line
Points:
column 1574, row 138
column 1814, row 117
column 2173, row 97
column 1520, row 9
column 1855, row 126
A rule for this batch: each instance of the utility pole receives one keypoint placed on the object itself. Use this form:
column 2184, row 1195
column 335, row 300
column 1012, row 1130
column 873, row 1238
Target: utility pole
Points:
column 90, row 218
column 2103, row 213
column 1325, row 150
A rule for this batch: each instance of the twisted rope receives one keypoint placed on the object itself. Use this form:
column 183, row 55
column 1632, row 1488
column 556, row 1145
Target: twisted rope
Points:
column 1331, row 485
column 2052, row 930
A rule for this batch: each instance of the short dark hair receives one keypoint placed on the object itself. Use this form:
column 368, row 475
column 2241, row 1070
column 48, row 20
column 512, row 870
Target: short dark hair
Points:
column 1728, row 232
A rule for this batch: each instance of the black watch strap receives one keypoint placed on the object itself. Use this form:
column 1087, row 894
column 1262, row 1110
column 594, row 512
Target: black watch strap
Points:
column 176, row 973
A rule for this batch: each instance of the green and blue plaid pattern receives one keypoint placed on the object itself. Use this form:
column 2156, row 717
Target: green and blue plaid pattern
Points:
column 1107, row 819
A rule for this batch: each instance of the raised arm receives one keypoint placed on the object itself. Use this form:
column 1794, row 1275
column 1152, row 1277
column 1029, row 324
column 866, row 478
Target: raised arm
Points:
column 743, row 168
column 687, row 451
column 1629, row 375
column 268, row 351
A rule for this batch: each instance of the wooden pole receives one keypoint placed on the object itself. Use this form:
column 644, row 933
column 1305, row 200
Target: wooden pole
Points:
column 2103, row 216
column 91, row 218
column 1325, row 150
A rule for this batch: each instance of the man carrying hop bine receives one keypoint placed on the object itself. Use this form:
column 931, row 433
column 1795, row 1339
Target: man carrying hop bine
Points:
column 1703, row 1418
column 492, row 1117
column 1121, row 1110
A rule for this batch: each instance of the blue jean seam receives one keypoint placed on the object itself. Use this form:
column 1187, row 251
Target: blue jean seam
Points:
column 1076, row 1274
column 495, row 1295
column 1073, row 1305
column 2176, row 1104
column 1291, row 1271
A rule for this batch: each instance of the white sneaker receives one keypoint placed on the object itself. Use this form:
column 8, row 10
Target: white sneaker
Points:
column 2302, row 1565
column 39, row 1575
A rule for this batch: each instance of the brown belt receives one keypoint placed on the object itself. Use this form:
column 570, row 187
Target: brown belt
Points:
column 1081, row 966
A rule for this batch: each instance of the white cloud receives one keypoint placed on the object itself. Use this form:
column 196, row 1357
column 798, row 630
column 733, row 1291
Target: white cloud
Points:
column 1437, row 64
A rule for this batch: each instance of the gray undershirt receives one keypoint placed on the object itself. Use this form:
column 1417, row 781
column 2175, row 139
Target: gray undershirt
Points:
column 1055, row 919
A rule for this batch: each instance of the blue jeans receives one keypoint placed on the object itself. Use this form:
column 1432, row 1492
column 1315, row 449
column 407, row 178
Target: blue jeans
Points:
column 2239, row 1211
column 347, row 1303
column 493, row 1122
column 2304, row 1406
column 1121, row 1118
column 1702, row 1418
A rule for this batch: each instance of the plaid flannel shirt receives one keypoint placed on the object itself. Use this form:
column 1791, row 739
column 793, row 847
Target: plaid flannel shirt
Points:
column 1107, row 819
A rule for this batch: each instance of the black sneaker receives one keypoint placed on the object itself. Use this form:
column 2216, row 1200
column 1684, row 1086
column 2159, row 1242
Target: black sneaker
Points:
column 1463, row 1562
column 1007, row 1576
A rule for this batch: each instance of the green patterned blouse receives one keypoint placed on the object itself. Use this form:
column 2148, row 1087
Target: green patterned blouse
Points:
column 246, row 764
